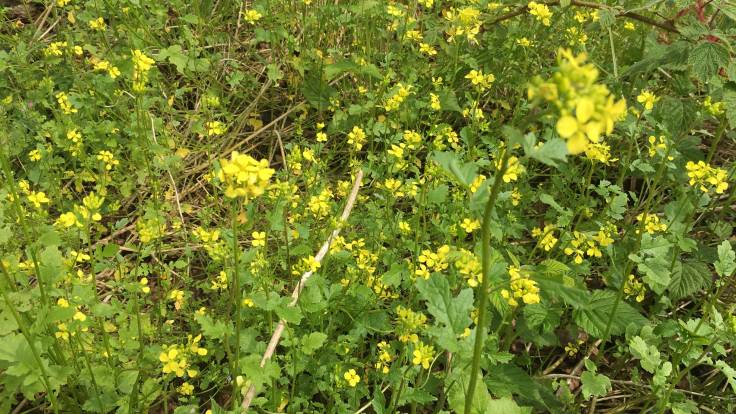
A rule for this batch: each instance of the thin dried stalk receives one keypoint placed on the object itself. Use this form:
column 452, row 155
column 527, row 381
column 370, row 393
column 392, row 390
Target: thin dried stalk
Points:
column 276, row 337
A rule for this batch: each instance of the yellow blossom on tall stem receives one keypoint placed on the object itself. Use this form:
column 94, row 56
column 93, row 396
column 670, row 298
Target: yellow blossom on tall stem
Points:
column 243, row 176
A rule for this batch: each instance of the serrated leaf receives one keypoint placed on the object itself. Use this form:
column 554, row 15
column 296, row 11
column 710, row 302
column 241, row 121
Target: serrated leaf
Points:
column 688, row 277
column 595, row 315
column 656, row 272
column 725, row 265
column 706, row 58
column 729, row 372
column 594, row 384
column 648, row 354
column 453, row 312
column 312, row 342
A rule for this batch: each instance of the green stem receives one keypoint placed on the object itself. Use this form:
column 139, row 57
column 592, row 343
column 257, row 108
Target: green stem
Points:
column 486, row 265
column 236, row 297
column 26, row 334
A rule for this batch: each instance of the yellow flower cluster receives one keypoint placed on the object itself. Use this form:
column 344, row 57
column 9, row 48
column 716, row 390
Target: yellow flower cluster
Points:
column 356, row 138
column 582, row 245
column 243, row 176
column 545, row 237
column 81, row 215
column 220, row 282
column 150, row 229
column 422, row 355
column 306, row 264
column 252, row 16
column 651, row 223
column 432, row 261
column 37, row 198
column 108, row 159
column 398, row 95
column 105, row 66
column 98, row 24
column 587, row 110
column 64, row 104
column 141, row 65
column 707, row 178
column 713, row 108
column 470, row 225
column 634, row 287
column 522, row 287
column 319, row 205
column 479, row 80
column 469, row 267
column 409, row 323
column 384, row 357
column 211, row 242
column 55, row 49
column 464, row 22
column 215, row 128
column 259, row 238
column 541, row 12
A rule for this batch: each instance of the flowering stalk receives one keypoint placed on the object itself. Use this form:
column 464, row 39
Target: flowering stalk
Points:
column 486, row 266
column 235, row 297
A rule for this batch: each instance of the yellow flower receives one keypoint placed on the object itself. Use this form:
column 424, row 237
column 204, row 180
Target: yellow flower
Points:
column 629, row 26
column 479, row 80
column 647, row 98
column 185, row 389
column 423, row 355
column 141, row 62
column 707, row 178
column 79, row 316
column 524, row 42
column 321, row 137
column 651, row 223
column 215, row 128
column 144, row 285
column 351, row 377
column 356, row 138
column 63, row 303
column 97, row 24
column 259, row 238
column 434, row 102
column 38, row 198
column 252, row 16
column 243, row 176
column 541, row 12
column 470, row 225
column 404, row 227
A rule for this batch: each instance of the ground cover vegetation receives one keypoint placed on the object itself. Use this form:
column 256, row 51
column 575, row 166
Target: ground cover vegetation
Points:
column 369, row 206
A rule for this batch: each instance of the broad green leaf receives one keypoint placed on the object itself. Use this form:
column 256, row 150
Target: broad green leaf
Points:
column 317, row 91
column 648, row 354
column 5, row 234
column 451, row 313
column 725, row 265
column 550, row 153
column 706, row 58
column 463, row 172
column 595, row 315
column 312, row 342
column 594, row 384
column 51, row 264
column 656, row 272
column 688, row 277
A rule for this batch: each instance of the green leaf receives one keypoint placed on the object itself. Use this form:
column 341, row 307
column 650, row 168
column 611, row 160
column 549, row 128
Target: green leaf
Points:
column 594, row 316
column 317, row 91
column 688, row 277
column 451, row 313
column 550, row 153
column 706, row 58
column 729, row 372
column 648, row 354
column 656, row 272
column 463, row 172
column 51, row 264
column 725, row 265
column 448, row 101
column 50, row 238
column 438, row 195
column 594, row 384
column 291, row 314
column 5, row 234
column 312, row 342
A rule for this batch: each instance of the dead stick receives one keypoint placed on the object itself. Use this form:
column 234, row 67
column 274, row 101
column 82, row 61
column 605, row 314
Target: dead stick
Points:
column 251, row 393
